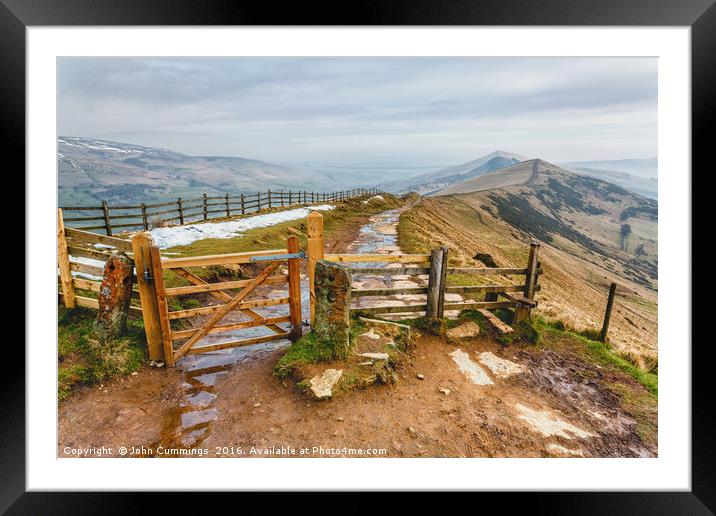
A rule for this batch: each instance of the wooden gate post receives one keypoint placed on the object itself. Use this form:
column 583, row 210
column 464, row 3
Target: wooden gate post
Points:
column 294, row 289
column 436, row 266
column 443, row 283
column 522, row 312
column 141, row 248
column 314, row 229
column 228, row 211
column 608, row 312
column 205, row 206
column 63, row 262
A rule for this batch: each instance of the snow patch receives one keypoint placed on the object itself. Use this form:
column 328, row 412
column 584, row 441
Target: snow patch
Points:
column 185, row 235
column 374, row 198
column 87, row 261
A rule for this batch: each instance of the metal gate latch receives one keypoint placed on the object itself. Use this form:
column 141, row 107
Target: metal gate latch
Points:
column 277, row 257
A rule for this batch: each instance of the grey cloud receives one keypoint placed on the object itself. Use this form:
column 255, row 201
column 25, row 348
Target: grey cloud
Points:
column 451, row 108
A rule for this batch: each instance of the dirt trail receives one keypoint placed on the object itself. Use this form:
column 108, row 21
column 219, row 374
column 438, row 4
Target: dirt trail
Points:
column 537, row 402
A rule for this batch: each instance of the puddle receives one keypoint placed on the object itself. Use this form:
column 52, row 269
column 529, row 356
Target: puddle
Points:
column 470, row 369
column 548, row 424
column 195, row 414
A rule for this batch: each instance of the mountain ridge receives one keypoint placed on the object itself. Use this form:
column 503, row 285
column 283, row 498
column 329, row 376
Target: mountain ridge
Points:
column 94, row 169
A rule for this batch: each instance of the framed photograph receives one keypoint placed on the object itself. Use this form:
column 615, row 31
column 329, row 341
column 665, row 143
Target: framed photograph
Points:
column 424, row 248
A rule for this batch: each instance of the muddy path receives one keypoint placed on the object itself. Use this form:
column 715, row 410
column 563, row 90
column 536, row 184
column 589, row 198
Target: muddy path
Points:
column 537, row 403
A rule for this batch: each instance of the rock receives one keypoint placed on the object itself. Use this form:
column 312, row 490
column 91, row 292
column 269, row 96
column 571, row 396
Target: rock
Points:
column 321, row 386
column 134, row 373
column 470, row 369
column 333, row 299
column 420, row 376
column 499, row 366
column 444, row 390
column 365, row 363
column 376, row 356
column 115, row 293
column 258, row 404
column 159, row 364
column 464, row 331
column 413, row 431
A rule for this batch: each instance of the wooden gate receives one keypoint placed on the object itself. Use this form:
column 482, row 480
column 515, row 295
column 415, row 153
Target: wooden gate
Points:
column 170, row 344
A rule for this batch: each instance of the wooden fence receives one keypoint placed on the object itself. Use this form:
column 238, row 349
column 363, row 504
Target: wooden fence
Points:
column 158, row 318
column 519, row 297
column 146, row 216
column 74, row 275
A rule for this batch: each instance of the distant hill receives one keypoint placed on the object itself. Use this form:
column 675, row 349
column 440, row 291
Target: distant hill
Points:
column 646, row 186
column 90, row 170
column 644, row 168
column 435, row 181
column 577, row 213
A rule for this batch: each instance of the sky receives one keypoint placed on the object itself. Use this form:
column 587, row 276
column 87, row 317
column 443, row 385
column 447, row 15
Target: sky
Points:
column 432, row 111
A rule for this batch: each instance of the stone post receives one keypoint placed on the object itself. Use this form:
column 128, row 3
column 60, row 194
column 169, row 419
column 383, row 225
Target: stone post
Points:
column 115, row 294
column 333, row 300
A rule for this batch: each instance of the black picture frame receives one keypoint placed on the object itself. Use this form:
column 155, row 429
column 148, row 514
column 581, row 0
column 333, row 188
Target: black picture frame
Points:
column 700, row 15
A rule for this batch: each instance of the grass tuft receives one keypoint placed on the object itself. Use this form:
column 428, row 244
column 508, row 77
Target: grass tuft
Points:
column 83, row 360
column 602, row 354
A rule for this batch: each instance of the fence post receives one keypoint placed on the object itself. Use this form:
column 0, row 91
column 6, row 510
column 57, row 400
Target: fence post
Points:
column 269, row 199
column 141, row 248
column 105, row 211
column 294, row 289
column 181, row 211
column 521, row 312
column 63, row 262
column 436, row 264
column 608, row 312
column 206, row 215
column 145, row 221
column 314, row 229
column 243, row 210
column 228, row 211
column 443, row 283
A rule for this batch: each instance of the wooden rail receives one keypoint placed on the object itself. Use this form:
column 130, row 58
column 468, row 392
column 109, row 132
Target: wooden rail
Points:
column 435, row 265
column 75, row 243
column 171, row 344
column 145, row 216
